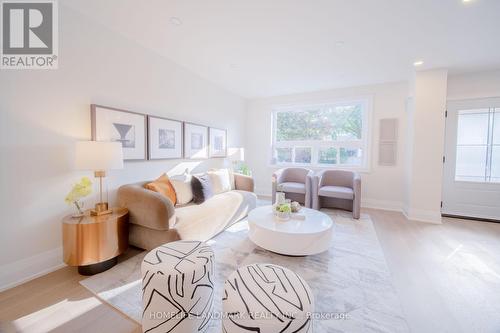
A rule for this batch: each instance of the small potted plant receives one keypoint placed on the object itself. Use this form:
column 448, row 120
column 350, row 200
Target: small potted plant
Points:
column 283, row 211
column 80, row 190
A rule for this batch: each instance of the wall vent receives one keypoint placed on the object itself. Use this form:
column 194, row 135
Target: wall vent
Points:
column 388, row 142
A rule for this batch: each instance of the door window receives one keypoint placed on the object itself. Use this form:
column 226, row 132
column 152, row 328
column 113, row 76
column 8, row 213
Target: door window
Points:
column 478, row 145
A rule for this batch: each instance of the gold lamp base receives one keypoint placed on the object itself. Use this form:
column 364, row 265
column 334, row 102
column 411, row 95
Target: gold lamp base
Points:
column 101, row 208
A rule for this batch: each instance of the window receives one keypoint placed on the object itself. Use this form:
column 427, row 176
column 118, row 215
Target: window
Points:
column 329, row 135
column 478, row 146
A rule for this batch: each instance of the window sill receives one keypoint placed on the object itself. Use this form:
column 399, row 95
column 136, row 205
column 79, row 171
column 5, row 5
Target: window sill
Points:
column 359, row 169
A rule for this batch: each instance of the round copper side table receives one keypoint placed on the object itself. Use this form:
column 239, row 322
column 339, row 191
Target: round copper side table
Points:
column 93, row 243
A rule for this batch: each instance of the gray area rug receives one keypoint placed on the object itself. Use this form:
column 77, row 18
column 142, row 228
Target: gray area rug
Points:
column 351, row 282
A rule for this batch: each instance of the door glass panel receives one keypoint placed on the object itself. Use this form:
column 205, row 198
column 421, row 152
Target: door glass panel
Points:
column 495, row 164
column 496, row 127
column 473, row 127
column 472, row 144
column 471, row 163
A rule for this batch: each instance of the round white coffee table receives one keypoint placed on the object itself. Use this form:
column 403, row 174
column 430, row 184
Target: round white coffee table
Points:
column 294, row 237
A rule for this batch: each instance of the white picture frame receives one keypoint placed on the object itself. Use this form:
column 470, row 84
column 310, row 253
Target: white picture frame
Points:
column 165, row 138
column 217, row 142
column 129, row 128
column 195, row 141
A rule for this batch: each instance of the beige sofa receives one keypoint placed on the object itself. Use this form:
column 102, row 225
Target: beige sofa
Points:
column 154, row 220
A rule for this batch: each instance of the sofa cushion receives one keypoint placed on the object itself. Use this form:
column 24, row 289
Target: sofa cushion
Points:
column 292, row 187
column 202, row 222
column 202, row 188
column 182, row 186
column 163, row 186
column 220, row 180
column 339, row 192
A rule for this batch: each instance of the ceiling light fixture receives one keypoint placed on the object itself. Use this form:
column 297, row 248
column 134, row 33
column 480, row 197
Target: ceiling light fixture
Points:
column 418, row 63
column 339, row 43
column 175, row 20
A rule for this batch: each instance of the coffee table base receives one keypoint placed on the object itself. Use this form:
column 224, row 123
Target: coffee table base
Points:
column 290, row 244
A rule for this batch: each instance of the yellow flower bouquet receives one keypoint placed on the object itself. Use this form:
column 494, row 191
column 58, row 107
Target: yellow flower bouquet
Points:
column 79, row 191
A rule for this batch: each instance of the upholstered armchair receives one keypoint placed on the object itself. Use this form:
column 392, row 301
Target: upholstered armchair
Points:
column 295, row 183
column 337, row 189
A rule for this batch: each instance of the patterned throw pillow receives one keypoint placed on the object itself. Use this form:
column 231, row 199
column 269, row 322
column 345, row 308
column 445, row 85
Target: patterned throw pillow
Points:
column 163, row 186
column 202, row 188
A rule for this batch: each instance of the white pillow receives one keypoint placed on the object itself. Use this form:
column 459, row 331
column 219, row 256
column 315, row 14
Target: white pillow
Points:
column 230, row 171
column 231, row 179
column 220, row 180
column 182, row 187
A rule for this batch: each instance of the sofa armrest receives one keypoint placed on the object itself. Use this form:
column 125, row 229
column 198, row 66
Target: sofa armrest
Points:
column 243, row 183
column 147, row 208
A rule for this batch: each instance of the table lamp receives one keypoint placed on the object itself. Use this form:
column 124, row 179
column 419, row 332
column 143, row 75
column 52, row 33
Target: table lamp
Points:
column 99, row 157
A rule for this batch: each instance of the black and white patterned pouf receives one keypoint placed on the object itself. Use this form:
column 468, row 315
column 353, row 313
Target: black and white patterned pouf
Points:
column 266, row 298
column 177, row 287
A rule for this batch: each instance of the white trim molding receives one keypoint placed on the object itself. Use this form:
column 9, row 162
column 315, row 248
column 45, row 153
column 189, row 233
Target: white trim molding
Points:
column 395, row 206
column 27, row 269
column 422, row 215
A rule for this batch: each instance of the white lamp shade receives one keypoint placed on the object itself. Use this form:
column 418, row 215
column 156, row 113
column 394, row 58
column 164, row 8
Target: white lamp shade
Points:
column 98, row 156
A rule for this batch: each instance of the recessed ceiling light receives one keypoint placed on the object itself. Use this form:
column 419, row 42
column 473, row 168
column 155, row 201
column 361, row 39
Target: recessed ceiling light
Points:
column 466, row 1
column 418, row 63
column 175, row 20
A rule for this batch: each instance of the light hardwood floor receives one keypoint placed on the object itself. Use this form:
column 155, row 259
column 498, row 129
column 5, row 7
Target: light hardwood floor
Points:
column 447, row 277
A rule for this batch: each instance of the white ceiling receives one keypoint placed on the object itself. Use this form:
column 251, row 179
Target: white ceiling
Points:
column 258, row 48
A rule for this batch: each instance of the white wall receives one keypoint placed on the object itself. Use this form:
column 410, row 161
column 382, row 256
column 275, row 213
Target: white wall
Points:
column 474, row 85
column 42, row 114
column 382, row 187
column 426, row 137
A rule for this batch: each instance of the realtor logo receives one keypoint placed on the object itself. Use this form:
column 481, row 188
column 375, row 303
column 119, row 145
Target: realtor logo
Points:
column 29, row 34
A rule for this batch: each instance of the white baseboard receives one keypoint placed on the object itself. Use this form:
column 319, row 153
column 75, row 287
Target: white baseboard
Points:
column 21, row 271
column 395, row 206
column 421, row 215
column 263, row 196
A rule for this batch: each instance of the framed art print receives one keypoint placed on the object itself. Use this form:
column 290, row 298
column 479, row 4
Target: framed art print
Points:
column 195, row 141
column 164, row 138
column 217, row 142
column 126, row 127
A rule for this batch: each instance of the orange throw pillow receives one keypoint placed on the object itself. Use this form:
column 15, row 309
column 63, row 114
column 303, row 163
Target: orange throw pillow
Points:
column 163, row 186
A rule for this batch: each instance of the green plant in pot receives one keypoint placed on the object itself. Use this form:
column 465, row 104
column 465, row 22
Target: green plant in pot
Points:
column 283, row 211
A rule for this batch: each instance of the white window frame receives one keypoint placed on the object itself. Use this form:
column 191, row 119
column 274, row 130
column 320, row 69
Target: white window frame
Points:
column 366, row 103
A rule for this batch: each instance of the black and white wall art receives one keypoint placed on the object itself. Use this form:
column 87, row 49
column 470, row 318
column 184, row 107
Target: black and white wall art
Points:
column 217, row 142
column 195, row 141
column 178, row 287
column 126, row 127
column 165, row 139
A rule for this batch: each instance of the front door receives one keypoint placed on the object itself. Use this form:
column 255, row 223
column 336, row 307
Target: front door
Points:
column 471, row 179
